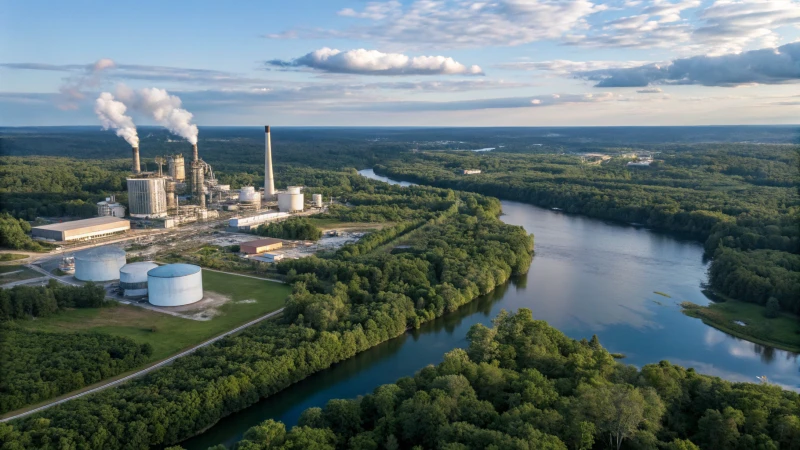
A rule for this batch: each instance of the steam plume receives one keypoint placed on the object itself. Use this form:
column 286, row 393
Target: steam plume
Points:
column 112, row 115
column 163, row 108
column 73, row 87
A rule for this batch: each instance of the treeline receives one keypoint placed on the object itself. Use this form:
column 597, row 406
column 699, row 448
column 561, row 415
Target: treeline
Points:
column 14, row 234
column 38, row 366
column 29, row 302
column 741, row 197
column 294, row 228
column 524, row 385
column 339, row 307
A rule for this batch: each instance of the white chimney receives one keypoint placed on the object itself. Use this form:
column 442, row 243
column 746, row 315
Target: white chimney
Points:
column 269, row 179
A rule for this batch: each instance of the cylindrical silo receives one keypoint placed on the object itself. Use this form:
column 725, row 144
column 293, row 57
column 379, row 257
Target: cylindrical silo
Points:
column 291, row 200
column 170, row 195
column 316, row 199
column 177, row 168
column 175, row 285
column 133, row 278
column 99, row 264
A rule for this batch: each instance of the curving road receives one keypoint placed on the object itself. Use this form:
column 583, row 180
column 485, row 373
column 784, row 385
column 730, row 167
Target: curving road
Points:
column 145, row 370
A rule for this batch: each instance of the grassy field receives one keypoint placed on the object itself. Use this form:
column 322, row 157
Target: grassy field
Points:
column 336, row 224
column 169, row 334
column 10, row 274
column 5, row 257
column 781, row 332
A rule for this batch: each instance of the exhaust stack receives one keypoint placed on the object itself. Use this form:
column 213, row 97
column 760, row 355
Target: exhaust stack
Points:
column 194, row 152
column 136, row 167
column 269, row 179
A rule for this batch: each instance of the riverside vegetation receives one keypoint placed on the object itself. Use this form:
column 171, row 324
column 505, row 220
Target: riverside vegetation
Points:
column 741, row 200
column 341, row 304
column 524, row 385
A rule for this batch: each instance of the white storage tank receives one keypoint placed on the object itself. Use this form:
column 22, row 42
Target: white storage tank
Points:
column 133, row 278
column 99, row 264
column 316, row 199
column 291, row 200
column 175, row 285
column 248, row 194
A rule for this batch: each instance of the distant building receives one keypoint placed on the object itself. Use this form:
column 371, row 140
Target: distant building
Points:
column 82, row 229
column 248, row 223
column 260, row 246
column 110, row 207
column 470, row 171
column 269, row 257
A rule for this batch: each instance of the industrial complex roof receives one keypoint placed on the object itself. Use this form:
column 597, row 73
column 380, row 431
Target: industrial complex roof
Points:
column 101, row 253
column 75, row 224
column 173, row 271
column 138, row 267
column 262, row 242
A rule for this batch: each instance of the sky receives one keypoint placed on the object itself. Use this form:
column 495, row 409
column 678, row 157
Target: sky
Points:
column 399, row 63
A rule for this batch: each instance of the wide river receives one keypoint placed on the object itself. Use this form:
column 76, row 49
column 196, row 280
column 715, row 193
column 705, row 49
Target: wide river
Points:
column 587, row 277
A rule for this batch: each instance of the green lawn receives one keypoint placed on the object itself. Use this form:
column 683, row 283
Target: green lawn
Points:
column 169, row 334
column 781, row 332
column 9, row 274
column 335, row 224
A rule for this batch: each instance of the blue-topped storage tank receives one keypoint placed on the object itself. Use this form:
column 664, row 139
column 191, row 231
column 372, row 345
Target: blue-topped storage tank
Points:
column 175, row 285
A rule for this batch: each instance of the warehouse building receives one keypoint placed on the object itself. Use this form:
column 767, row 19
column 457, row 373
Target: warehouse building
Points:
column 260, row 246
column 79, row 230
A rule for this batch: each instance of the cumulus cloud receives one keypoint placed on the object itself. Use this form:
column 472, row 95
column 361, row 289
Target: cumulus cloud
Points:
column 459, row 24
column 764, row 66
column 731, row 25
column 374, row 62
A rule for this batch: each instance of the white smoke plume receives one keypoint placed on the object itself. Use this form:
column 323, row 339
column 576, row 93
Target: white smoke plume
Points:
column 163, row 108
column 112, row 115
column 88, row 76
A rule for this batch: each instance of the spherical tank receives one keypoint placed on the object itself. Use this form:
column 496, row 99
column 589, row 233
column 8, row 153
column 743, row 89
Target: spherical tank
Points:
column 175, row 285
column 99, row 264
column 133, row 278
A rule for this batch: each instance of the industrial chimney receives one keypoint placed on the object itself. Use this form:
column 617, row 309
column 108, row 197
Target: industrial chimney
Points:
column 194, row 152
column 136, row 167
column 269, row 179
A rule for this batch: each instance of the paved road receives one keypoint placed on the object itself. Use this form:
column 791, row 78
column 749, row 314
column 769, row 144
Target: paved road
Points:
column 147, row 369
column 25, row 281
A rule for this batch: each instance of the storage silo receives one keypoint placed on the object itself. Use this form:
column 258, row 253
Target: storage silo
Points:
column 99, row 264
column 316, row 200
column 175, row 285
column 133, row 278
column 249, row 195
column 291, row 200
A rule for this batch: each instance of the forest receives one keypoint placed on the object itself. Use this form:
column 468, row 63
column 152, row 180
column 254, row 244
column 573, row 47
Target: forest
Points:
column 524, row 385
column 741, row 200
column 29, row 302
column 295, row 228
column 341, row 304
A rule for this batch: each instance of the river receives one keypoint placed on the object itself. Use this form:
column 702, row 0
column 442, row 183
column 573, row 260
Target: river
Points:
column 587, row 277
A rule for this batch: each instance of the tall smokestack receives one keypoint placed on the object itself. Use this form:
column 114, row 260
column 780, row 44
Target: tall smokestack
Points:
column 269, row 179
column 194, row 152
column 136, row 167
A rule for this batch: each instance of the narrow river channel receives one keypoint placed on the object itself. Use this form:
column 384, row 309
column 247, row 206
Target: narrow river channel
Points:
column 587, row 277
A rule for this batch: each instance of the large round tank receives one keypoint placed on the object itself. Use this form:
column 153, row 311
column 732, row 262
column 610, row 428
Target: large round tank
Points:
column 317, row 200
column 99, row 264
column 133, row 278
column 248, row 194
column 291, row 200
column 175, row 285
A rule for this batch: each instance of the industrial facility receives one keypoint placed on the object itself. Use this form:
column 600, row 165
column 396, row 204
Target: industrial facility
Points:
column 110, row 207
column 133, row 279
column 291, row 200
column 249, row 223
column 99, row 264
column 260, row 246
column 78, row 230
column 175, row 285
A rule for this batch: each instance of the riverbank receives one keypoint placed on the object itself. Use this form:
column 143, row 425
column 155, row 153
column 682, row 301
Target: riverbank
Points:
column 747, row 321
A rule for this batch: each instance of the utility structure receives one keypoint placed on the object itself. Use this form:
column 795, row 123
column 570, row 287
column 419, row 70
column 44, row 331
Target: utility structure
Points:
column 136, row 167
column 177, row 168
column 269, row 179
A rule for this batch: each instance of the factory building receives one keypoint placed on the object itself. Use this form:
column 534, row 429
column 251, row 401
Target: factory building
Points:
column 248, row 223
column 133, row 278
column 269, row 257
column 147, row 197
column 110, row 207
column 260, row 246
column 291, row 200
column 175, row 285
column 77, row 230
column 99, row 264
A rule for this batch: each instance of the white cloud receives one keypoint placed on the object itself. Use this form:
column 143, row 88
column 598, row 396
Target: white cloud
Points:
column 731, row 25
column 764, row 66
column 565, row 67
column 374, row 62
column 649, row 91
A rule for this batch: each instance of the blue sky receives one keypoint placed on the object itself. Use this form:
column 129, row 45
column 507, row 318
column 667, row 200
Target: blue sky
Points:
column 423, row 62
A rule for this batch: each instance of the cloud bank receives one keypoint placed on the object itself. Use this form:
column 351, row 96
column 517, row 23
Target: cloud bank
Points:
column 374, row 62
column 764, row 66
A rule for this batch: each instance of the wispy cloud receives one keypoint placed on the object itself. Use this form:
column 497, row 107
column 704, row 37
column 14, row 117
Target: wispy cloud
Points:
column 374, row 62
